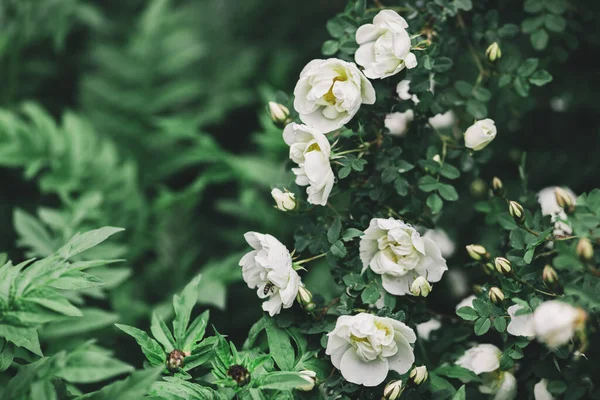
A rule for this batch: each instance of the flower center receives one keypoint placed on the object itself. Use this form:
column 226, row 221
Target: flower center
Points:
column 329, row 96
column 313, row 147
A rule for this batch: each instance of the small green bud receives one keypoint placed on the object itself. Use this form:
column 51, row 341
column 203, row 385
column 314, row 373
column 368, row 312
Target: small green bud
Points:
column 496, row 295
column 279, row 113
column 493, row 52
column 477, row 252
column 516, row 211
column 503, row 265
column 175, row 360
column 497, row 186
column 240, row 374
column 418, row 375
column 393, row 390
column 584, row 249
column 420, row 287
column 549, row 275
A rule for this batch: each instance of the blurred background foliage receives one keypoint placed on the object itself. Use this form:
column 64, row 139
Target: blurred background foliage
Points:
column 149, row 115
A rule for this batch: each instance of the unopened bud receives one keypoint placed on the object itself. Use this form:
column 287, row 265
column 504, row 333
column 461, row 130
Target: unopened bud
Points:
column 311, row 379
column 564, row 199
column 420, row 287
column 419, row 375
column 175, row 360
column 497, row 186
column 496, row 295
column 516, row 211
column 477, row 289
column 279, row 113
column 549, row 275
column 477, row 252
column 310, row 306
column 489, row 268
column 437, row 159
column 239, row 374
column 304, row 296
column 285, row 201
column 493, row 52
column 393, row 390
column 585, row 250
column 502, row 265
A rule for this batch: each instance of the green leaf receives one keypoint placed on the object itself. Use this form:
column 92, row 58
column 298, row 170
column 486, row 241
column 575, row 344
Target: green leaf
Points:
column 464, row 88
column 467, row 313
column 447, row 192
column 330, row 47
column 533, row 6
column 539, row 39
column 280, row 346
column 442, row 64
column 504, row 80
column 333, row 234
column 281, row 380
column 457, row 372
column 76, row 280
column 528, row 67
column 435, row 203
column 84, row 241
column 183, row 306
column 500, row 324
column 161, row 333
column 351, row 233
column 26, row 338
column 476, row 108
column 521, row 86
column 482, row 94
column 540, row 78
column 555, row 23
column 196, row 332
column 150, row 347
column 449, row 171
column 482, row 325
column 338, row 249
column 51, row 300
column 428, row 183
column 460, row 394
column 465, row 5
column 90, row 363
column 92, row 319
column 134, row 387
column 349, row 46
column 344, row 172
column 370, row 294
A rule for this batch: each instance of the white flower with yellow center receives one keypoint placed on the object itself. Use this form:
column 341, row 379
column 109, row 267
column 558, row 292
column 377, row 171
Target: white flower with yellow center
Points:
column 365, row 348
column 268, row 268
column 330, row 92
column 311, row 150
column 397, row 252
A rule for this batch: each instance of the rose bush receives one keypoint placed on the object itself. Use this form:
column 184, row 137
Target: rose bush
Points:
column 421, row 260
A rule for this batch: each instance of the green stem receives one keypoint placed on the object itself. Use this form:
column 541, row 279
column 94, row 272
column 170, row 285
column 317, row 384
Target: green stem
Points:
column 534, row 288
column 310, row 259
column 474, row 54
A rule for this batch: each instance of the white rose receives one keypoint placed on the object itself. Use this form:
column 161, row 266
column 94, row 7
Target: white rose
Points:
column 285, row 200
column 443, row 121
column 424, row 329
column 540, row 391
column 384, row 46
column 365, row 348
column 403, row 91
column 480, row 134
column 502, row 385
column 481, row 358
column 555, row 322
column 484, row 360
column 330, row 92
column 398, row 253
column 269, row 269
column 443, row 241
column 520, row 325
column 310, row 149
column 466, row 302
column 547, row 199
column 397, row 122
